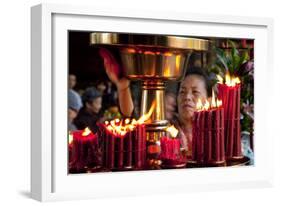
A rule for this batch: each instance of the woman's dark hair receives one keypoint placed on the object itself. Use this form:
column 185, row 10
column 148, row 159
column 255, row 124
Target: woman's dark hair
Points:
column 202, row 73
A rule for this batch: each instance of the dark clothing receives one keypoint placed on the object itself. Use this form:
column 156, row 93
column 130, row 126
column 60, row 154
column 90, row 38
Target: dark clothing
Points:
column 71, row 126
column 87, row 119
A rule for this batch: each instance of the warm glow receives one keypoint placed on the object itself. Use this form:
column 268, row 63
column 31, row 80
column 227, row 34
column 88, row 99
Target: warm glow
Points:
column 213, row 99
column 172, row 130
column 219, row 103
column 178, row 63
column 199, row 104
column 131, row 50
column 112, row 122
column 70, row 138
column 215, row 103
column 220, row 79
column 167, row 71
column 127, row 121
column 119, row 127
column 229, row 80
column 168, row 54
column 149, row 52
column 206, row 106
column 146, row 116
column 86, row 131
column 134, row 122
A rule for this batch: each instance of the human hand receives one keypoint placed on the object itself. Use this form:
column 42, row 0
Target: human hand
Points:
column 113, row 70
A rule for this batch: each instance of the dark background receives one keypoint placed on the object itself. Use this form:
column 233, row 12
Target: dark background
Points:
column 84, row 60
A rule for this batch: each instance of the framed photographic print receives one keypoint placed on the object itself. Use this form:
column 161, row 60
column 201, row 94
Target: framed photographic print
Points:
column 135, row 102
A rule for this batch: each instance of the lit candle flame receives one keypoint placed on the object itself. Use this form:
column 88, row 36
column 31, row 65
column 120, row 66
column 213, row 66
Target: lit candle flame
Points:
column 230, row 81
column 215, row 103
column 199, row 104
column 70, row 138
column 172, row 130
column 86, row 131
column 220, row 79
column 146, row 117
column 127, row 121
column 119, row 127
column 219, row 103
column 213, row 99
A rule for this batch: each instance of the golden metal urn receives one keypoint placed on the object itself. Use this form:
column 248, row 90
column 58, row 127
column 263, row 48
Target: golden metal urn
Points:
column 153, row 60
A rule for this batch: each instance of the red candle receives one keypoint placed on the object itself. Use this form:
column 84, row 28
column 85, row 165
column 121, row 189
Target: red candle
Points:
column 109, row 152
column 221, row 135
column 70, row 147
column 170, row 155
column 125, row 145
column 237, row 147
column 210, row 134
column 170, row 148
column 140, row 146
column 207, row 147
column 202, row 121
column 119, row 151
column 85, row 152
column 229, row 92
column 216, row 140
column 195, row 135
column 128, row 150
column 230, row 129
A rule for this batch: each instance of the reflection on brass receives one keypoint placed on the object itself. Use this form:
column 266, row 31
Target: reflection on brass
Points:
column 147, row 40
column 152, row 59
column 143, row 65
column 153, row 91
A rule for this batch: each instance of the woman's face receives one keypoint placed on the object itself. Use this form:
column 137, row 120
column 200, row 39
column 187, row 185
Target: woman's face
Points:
column 192, row 88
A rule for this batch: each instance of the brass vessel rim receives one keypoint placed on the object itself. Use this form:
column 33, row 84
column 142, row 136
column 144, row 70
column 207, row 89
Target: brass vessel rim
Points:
column 145, row 40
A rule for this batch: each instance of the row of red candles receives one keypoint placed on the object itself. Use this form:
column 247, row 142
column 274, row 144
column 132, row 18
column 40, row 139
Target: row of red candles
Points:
column 230, row 96
column 208, row 136
column 125, row 151
column 121, row 152
column 114, row 151
column 211, row 141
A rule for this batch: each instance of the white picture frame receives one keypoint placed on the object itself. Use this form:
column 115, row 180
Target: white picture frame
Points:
column 49, row 178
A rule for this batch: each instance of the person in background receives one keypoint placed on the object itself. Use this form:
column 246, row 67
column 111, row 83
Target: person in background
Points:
column 89, row 115
column 171, row 91
column 74, row 105
column 170, row 105
column 72, row 81
column 74, row 102
column 100, row 86
column 109, row 96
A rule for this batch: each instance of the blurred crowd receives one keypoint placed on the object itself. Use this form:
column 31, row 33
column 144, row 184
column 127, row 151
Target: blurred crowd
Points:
column 98, row 103
column 92, row 105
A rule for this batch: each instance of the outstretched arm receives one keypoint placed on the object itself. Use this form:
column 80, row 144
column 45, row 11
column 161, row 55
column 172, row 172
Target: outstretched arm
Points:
column 123, row 84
